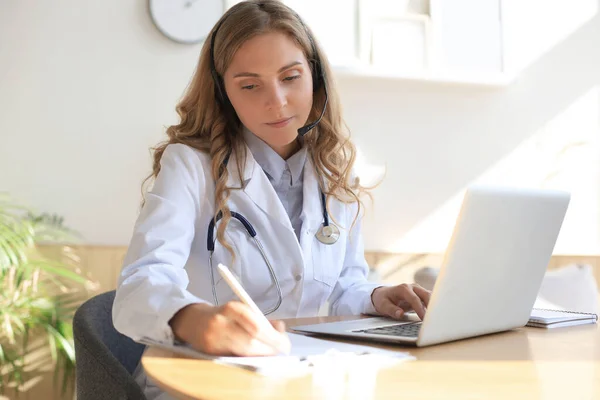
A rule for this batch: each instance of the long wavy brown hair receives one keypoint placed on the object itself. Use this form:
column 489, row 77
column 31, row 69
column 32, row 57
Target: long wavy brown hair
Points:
column 211, row 127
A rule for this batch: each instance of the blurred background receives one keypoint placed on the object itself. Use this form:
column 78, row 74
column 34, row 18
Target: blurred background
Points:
column 438, row 95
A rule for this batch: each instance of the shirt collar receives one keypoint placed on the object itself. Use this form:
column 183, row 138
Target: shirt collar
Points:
column 296, row 163
column 271, row 162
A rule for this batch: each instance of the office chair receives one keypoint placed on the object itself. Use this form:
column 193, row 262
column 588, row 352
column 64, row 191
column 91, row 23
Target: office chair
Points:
column 105, row 359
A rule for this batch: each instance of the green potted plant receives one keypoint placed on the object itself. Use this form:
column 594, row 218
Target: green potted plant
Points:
column 41, row 286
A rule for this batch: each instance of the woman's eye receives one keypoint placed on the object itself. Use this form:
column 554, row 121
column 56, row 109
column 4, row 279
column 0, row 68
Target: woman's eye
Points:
column 291, row 78
column 248, row 87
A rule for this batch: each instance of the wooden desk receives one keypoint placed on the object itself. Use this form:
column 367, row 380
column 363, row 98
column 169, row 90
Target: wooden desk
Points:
column 527, row 363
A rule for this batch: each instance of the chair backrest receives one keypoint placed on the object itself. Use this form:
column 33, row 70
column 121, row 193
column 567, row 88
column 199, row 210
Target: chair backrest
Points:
column 105, row 359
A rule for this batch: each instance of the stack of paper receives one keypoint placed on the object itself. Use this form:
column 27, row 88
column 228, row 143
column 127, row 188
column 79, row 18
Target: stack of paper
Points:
column 547, row 318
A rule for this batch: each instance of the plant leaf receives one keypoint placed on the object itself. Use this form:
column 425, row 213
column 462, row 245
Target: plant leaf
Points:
column 8, row 329
column 51, row 228
column 15, row 241
column 48, row 308
column 57, row 269
column 64, row 344
column 52, row 345
column 18, row 323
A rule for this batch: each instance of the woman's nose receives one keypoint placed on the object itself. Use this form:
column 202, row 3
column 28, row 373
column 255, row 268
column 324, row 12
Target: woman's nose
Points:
column 276, row 98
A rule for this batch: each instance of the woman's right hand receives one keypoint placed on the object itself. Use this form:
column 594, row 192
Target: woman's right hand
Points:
column 230, row 329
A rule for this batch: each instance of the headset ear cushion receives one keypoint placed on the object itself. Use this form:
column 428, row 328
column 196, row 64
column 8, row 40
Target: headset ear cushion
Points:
column 317, row 75
column 221, row 92
column 218, row 86
column 222, row 99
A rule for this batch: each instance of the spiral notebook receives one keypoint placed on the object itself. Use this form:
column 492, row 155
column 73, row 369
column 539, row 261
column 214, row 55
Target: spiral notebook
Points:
column 548, row 318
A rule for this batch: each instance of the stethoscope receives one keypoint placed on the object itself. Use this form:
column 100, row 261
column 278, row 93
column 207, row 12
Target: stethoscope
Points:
column 328, row 234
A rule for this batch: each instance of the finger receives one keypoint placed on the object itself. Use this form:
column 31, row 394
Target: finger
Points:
column 240, row 343
column 414, row 300
column 278, row 325
column 390, row 309
column 256, row 327
column 214, row 336
column 220, row 336
column 229, row 336
column 258, row 348
column 423, row 293
column 243, row 315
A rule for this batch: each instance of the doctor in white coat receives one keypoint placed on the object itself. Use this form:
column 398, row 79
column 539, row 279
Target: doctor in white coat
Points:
column 260, row 135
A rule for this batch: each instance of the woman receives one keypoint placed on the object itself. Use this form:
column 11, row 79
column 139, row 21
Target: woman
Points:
column 261, row 141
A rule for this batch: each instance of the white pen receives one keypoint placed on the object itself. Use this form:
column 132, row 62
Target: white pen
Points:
column 237, row 288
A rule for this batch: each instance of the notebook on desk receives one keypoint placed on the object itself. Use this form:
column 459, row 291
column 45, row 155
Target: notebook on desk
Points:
column 547, row 318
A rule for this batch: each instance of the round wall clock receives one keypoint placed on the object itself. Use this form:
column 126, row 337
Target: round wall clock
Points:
column 186, row 21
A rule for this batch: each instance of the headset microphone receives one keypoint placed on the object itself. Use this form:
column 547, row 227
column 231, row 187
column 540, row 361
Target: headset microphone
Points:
column 306, row 128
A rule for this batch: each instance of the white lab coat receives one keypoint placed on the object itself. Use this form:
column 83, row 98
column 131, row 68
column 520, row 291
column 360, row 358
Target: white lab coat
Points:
column 166, row 266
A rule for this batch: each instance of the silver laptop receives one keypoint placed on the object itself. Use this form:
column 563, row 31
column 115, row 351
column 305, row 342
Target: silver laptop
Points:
column 490, row 276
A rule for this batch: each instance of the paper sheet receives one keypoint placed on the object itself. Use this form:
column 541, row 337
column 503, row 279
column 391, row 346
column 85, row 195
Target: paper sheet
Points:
column 309, row 351
column 306, row 353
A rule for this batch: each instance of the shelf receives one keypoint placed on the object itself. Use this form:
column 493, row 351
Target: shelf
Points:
column 492, row 80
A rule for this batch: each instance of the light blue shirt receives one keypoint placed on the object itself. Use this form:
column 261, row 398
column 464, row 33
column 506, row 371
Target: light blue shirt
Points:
column 286, row 176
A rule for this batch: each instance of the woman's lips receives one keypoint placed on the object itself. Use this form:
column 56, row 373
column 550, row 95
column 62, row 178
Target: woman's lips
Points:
column 280, row 123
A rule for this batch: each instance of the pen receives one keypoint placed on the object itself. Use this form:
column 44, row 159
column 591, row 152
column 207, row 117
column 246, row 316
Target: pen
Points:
column 237, row 288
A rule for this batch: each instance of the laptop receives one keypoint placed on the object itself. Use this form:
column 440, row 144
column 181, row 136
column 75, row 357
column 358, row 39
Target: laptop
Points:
column 490, row 276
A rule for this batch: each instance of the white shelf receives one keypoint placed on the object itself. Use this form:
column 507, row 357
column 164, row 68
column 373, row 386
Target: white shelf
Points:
column 492, row 80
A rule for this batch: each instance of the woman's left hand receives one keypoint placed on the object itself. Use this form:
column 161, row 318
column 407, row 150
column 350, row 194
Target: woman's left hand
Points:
column 394, row 301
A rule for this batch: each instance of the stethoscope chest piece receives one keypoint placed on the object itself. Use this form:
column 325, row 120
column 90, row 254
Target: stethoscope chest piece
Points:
column 328, row 234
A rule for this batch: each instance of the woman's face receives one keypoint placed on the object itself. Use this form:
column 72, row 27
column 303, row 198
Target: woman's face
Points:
column 269, row 84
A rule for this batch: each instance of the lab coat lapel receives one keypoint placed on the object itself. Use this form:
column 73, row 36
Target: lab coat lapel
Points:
column 259, row 189
column 234, row 180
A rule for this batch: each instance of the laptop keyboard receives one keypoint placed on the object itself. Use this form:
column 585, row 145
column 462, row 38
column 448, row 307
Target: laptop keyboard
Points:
column 407, row 330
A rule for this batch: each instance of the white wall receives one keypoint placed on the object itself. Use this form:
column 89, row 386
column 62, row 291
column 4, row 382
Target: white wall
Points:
column 435, row 140
column 86, row 88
